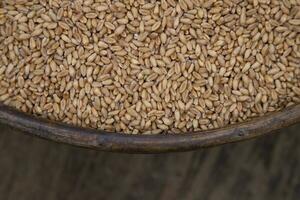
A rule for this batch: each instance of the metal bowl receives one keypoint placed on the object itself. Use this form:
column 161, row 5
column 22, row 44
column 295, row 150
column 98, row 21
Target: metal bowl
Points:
column 105, row 141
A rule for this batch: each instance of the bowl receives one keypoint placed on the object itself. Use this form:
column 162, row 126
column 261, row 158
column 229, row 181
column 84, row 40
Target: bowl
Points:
column 117, row 142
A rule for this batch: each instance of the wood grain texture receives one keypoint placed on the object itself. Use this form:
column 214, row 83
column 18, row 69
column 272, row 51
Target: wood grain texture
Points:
column 265, row 168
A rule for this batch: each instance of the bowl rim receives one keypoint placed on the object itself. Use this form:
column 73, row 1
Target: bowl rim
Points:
column 116, row 142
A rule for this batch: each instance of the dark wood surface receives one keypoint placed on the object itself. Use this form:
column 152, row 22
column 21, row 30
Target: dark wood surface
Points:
column 264, row 168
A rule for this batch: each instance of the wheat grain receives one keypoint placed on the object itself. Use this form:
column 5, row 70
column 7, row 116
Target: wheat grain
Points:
column 150, row 66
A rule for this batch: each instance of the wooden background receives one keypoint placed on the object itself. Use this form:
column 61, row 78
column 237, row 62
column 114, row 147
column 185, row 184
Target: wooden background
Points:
column 265, row 168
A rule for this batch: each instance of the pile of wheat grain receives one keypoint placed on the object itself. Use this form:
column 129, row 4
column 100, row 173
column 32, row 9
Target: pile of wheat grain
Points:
column 150, row 66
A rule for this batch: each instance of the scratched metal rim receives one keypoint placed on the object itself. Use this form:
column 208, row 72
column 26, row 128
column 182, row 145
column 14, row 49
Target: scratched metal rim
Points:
column 116, row 142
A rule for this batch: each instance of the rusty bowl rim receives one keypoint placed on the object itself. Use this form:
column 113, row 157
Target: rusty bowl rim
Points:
column 116, row 142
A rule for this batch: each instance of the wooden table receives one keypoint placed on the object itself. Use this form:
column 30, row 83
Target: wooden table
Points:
column 265, row 168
